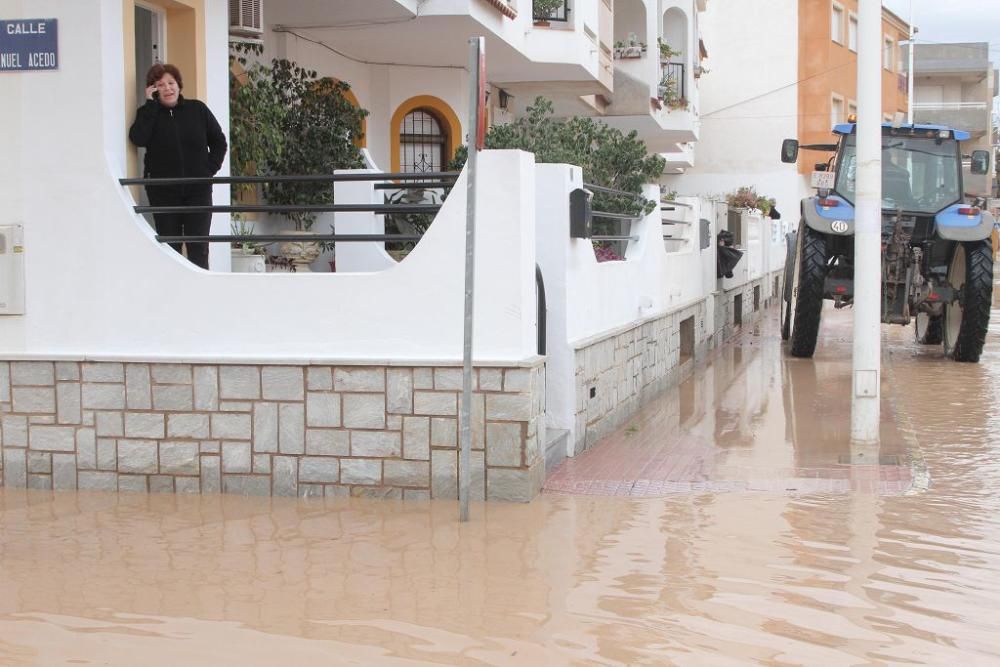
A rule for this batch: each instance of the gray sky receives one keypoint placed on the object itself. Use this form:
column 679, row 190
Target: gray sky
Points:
column 955, row 21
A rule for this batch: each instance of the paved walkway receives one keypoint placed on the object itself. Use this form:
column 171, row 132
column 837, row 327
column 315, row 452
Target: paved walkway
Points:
column 752, row 419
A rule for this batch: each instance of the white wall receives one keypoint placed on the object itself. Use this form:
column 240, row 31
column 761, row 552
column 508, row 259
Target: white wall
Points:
column 748, row 103
column 587, row 299
column 99, row 286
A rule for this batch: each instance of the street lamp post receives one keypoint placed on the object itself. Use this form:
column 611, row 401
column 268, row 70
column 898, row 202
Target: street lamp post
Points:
column 865, row 409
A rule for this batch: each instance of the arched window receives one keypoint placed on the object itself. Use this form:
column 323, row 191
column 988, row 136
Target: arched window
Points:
column 422, row 142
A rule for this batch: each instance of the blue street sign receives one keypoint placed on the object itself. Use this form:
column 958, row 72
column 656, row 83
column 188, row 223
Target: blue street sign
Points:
column 29, row 44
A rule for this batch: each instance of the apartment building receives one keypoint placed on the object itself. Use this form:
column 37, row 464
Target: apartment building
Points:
column 828, row 68
column 955, row 85
column 781, row 69
column 406, row 64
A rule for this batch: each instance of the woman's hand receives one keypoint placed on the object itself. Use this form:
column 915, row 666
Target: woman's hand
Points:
column 150, row 90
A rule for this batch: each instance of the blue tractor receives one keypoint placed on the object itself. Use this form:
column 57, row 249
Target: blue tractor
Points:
column 937, row 254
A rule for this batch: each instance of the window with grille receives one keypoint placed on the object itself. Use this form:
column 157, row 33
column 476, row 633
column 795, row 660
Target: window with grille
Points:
column 421, row 143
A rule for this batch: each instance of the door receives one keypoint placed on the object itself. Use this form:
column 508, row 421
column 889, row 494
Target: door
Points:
column 149, row 39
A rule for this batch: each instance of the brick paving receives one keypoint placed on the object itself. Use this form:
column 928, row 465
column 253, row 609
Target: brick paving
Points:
column 751, row 419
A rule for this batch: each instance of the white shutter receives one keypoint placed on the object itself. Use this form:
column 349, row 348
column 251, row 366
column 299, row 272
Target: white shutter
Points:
column 245, row 18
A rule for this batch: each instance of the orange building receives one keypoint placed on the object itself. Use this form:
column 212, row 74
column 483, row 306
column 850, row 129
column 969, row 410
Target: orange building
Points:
column 828, row 67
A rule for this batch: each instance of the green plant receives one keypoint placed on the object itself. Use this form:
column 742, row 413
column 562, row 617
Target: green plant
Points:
column 256, row 116
column 321, row 127
column 409, row 223
column 747, row 197
column 607, row 156
column 240, row 227
column 543, row 9
column 666, row 53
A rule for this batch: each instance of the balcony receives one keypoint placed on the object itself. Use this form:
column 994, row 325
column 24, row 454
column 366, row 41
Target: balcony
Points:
column 973, row 117
column 967, row 62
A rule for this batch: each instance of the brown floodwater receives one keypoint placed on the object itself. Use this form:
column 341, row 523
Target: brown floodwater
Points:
column 690, row 578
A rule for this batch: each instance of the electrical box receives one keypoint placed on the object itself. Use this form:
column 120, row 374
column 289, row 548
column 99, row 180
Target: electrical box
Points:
column 11, row 270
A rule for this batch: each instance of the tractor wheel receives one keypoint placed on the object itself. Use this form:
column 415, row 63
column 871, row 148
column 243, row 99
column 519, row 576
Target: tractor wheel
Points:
column 966, row 320
column 788, row 281
column 807, row 293
column 927, row 329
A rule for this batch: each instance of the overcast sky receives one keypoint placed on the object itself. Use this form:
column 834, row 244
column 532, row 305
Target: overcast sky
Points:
column 954, row 21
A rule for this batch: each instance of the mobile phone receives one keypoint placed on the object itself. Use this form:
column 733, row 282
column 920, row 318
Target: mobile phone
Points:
column 156, row 95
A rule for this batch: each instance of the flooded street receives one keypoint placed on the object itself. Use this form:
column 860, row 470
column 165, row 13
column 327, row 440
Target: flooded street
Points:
column 723, row 525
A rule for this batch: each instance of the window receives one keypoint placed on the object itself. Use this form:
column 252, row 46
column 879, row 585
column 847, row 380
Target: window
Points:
column 836, row 110
column 852, row 32
column 422, row 143
column 852, row 109
column 887, row 53
column 837, row 24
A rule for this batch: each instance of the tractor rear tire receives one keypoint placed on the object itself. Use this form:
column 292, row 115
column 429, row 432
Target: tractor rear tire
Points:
column 966, row 321
column 927, row 329
column 808, row 291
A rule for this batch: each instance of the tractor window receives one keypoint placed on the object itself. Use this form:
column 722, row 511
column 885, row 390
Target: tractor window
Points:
column 918, row 174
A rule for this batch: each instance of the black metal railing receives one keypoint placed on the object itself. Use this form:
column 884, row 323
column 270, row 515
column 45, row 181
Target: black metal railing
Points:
column 618, row 231
column 674, row 82
column 560, row 13
column 387, row 181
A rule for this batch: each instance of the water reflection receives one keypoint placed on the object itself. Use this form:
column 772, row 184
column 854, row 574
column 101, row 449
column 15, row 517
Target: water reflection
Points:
column 688, row 579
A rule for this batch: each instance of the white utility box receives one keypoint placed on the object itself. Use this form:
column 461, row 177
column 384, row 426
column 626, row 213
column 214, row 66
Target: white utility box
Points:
column 11, row 270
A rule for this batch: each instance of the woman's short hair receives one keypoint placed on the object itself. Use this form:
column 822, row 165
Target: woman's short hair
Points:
column 157, row 71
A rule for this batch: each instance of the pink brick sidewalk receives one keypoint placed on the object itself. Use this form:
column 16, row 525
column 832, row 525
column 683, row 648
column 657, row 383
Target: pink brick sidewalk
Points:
column 751, row 420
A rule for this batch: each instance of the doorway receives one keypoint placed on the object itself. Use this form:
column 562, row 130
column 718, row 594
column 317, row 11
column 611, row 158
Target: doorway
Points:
column 150, row 26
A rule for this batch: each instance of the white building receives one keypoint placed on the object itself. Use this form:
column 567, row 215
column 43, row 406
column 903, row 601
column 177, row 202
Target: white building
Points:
column 749, row 104
column 955, row 85
column 124, row 367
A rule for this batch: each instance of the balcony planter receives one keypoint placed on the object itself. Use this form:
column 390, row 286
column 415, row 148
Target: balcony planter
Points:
column 628, row 52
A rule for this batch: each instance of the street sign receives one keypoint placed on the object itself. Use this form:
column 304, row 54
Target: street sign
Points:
column 29, row 44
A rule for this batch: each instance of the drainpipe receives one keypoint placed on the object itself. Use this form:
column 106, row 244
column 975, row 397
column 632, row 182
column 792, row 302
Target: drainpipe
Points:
column 910, row 76
column 868, row 230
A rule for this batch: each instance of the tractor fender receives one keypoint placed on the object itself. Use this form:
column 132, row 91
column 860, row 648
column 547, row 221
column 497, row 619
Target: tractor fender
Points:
column 833, row 220
column 953, row 226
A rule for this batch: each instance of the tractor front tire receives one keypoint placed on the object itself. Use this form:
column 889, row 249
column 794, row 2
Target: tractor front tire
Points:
column 967, row 320
column 808, row 291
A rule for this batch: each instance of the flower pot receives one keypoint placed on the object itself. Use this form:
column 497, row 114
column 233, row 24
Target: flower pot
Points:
column 300, row 253
column 244, row 262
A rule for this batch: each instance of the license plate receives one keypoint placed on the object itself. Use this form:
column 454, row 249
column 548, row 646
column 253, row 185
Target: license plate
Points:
column 823, row 180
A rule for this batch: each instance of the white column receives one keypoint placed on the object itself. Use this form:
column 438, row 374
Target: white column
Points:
column 868, row 228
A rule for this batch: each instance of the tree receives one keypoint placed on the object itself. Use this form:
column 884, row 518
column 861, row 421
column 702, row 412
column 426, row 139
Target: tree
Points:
column 285, row 120
column 608, row 156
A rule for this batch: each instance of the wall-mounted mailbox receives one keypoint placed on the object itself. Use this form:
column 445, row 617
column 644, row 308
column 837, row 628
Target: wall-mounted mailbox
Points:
column 581, row 225
column 11, row 270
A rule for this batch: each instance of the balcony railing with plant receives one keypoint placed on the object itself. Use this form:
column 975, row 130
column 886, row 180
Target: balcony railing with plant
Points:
column 543, row 11
column 672, row 89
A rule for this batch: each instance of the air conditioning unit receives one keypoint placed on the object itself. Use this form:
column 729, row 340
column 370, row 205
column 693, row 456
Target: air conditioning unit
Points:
column 11, row 270
column 245, row 18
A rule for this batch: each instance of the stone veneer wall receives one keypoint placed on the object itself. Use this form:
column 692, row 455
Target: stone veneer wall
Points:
column 387, row 431
column 629, row 367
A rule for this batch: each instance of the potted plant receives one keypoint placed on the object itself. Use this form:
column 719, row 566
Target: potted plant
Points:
column 247, row 256
column 666, row 53
column 320, row 127
column 631, row 48
column 542, row 10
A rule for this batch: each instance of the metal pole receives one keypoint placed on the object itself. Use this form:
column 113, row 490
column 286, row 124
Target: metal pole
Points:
column 909, row 69
column 476, row 48
column 868, row 228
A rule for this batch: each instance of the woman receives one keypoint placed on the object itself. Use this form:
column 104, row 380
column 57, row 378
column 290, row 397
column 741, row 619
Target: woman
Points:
column 182, row 139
